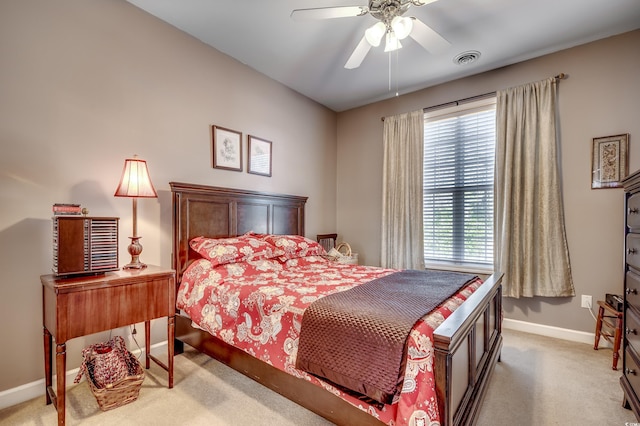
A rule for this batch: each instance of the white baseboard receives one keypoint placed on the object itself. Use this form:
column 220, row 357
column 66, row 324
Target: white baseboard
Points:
column 36, row 389
column 30, row 391
column 550, row 331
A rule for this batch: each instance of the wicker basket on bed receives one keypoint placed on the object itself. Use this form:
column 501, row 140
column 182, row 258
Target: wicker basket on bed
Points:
column 114, row 388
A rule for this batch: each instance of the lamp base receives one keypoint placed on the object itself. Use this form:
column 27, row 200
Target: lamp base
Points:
column 135, row 248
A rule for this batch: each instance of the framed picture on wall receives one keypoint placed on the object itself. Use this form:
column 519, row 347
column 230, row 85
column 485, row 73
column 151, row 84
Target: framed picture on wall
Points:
column 259, row 162
column 609, row 161
column 227, row 149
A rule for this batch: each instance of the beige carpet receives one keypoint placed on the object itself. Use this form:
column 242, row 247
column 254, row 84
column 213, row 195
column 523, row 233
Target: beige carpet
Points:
column 540, row 381
column 546, row 381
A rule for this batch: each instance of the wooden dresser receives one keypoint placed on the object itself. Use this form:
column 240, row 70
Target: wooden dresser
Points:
column 630, row 379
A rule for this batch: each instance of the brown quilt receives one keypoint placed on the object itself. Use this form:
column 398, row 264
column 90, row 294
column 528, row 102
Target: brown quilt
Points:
column 356, row 338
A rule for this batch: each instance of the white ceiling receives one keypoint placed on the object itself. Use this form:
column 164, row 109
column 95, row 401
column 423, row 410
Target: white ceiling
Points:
column 309, row 56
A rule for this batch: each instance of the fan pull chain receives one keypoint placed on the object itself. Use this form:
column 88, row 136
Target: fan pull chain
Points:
column 397, row 71
column 389, row 71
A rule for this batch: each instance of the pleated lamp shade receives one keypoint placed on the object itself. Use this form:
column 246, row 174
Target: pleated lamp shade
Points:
column 135, row 181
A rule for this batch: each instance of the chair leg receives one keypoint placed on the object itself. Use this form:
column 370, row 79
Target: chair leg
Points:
column 598, row 328
column 616, row 343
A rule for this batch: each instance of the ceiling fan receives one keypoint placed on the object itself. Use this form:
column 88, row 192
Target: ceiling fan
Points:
column 392, row 25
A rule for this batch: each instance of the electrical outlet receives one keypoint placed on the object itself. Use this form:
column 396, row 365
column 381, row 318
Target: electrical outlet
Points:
column 586, row 301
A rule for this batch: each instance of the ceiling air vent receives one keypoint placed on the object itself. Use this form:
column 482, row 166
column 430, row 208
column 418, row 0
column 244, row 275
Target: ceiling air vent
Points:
column 465, row 58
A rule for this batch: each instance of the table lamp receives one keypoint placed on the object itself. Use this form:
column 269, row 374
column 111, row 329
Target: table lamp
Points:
column 135, row 183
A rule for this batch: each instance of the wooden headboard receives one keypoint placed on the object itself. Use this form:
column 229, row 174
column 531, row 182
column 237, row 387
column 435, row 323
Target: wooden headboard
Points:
column 209, row 211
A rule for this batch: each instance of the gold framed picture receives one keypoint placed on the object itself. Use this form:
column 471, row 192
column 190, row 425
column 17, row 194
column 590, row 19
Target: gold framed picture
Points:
column 609, row 161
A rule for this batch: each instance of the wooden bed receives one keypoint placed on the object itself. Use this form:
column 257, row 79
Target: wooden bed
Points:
column 467, row 344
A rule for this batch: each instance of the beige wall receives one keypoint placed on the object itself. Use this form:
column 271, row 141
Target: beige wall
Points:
column 601, row 97
column 85, row 84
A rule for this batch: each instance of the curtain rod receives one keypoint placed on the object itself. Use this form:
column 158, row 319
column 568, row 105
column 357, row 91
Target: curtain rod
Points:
column 560, row 76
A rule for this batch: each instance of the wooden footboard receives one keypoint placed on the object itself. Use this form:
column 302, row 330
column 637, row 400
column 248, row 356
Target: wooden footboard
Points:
column 467, row 344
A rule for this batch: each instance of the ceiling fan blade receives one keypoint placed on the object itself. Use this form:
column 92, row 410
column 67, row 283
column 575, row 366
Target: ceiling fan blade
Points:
column 427, row 37
column 328, row 12
column 358, row 54
column 422, row 2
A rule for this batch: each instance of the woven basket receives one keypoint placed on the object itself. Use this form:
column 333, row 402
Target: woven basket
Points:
column 122, row 391
column 345, row 256
column 124, row 388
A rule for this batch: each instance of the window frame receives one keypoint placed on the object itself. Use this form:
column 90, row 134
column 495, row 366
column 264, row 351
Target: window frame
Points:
column 484, row 104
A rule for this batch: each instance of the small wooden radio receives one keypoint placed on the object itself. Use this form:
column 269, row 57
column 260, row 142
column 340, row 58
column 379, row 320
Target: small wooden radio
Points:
column 84, row 245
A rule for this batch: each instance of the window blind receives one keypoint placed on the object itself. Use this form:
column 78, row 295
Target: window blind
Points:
column 459, row 151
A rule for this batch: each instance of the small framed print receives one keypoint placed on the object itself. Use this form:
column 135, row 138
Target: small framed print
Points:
column 609, row 161
column 259, row 156
column 227, row 149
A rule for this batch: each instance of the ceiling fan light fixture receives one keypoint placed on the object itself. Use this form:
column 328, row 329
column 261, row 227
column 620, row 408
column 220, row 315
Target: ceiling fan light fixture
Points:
column 374, row 34
column 392, row 42
column 401, row 27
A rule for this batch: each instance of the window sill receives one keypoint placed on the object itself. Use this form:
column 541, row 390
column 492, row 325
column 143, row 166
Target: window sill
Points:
column 471, row 269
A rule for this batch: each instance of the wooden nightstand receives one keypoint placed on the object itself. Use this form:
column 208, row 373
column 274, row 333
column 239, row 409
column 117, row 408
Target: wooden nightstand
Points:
column 79, row 306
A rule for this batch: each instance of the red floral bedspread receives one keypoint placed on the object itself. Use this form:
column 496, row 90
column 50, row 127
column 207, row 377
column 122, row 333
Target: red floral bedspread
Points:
column 257, row 306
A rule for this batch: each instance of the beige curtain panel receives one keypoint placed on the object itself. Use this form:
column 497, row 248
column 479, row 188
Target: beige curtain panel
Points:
column 530, row 238
column 402, row 233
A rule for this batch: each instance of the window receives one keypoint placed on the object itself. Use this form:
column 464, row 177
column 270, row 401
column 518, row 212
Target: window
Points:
column 459, row 151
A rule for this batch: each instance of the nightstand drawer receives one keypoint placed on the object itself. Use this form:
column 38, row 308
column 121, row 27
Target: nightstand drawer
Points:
column 80, row 306
column 117, row 306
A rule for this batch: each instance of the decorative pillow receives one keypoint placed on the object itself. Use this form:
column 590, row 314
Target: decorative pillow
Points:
column 294, row 246
column 220, row 251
